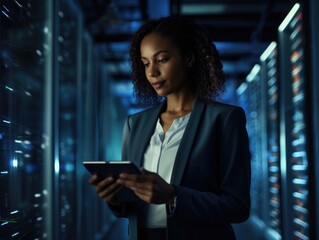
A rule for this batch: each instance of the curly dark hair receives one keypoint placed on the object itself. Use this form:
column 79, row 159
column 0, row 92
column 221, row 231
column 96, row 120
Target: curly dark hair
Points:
column 207, row 76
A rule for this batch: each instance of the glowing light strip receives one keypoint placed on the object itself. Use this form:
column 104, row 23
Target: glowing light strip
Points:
column 202, row 8
column 9, row 88
column 288, row 18
column 242, row 88
column 15, row 234
column 268, row 51
column 5, row 14
column 253, row 73
column 18, row 4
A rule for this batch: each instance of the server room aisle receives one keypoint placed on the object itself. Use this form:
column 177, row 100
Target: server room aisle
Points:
column 64, row 96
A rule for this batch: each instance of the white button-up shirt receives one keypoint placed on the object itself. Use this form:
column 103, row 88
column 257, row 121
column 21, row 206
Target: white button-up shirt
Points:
column 160, row 157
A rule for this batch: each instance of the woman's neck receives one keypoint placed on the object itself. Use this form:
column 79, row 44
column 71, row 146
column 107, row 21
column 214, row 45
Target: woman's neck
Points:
column 177, row 104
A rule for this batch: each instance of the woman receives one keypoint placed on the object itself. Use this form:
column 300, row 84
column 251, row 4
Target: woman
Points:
column 193, row 151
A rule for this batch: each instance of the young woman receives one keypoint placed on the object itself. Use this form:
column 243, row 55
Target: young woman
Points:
column 193, row 150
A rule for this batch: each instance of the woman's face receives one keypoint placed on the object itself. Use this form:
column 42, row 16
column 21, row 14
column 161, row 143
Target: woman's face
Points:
column 165, row 68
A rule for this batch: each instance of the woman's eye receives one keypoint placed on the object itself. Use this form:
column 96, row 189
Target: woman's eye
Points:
column 163, row 60
column 145, row 64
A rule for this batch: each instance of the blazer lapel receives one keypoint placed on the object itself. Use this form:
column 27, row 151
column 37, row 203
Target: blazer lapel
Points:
column 145, row 135
column 185, row 146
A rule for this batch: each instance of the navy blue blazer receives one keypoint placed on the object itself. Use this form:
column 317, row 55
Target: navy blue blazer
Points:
column 211, row 173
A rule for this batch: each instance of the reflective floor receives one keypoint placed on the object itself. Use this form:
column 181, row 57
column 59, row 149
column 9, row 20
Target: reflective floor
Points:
column 118, row 231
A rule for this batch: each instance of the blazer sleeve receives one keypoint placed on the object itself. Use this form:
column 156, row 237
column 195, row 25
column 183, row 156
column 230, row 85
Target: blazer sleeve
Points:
column 231, row 204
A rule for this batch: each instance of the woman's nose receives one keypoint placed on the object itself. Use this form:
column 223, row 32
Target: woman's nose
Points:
column 153, row 71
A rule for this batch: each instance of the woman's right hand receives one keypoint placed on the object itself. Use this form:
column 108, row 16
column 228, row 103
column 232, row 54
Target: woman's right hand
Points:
column 106, row 189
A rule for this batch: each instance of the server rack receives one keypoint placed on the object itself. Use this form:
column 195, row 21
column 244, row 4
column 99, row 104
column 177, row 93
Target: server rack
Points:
column 261, row 101
column 294, row 128
column 48, row 113
column 25, row 54
column 251, row 98
column 269, row 69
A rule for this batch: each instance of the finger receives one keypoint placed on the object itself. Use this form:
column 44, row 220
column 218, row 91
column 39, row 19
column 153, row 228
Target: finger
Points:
column 111, row 198
column 125, row 182
column 138, row 188
column 128, row 176
column 137, row 181
column 110, row 191
column 145, row 195
column 104, row 184
column 105, row 190
column 93, row 180
column 143, row 192
column 106, row 181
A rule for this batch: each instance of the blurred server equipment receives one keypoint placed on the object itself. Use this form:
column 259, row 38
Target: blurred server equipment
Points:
column 269, row 68
column 259, row 96
column 275, row 97
column 25, row 54
column 251, row 98
column 294, row 128
column 49, row 76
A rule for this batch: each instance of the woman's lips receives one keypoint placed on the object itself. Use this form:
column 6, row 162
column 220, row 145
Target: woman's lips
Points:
column 157, row 85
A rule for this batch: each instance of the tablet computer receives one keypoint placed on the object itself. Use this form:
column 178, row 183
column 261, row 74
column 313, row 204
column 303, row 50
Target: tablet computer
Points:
column 104, row 169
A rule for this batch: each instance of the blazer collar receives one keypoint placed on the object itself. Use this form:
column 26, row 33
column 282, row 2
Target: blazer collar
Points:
column 186, row 143
column 149, row 123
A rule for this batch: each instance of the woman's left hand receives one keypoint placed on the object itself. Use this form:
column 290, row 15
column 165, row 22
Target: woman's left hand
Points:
column 148, row 186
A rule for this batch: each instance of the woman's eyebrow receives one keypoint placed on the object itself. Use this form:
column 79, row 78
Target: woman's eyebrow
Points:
column 157, row 53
